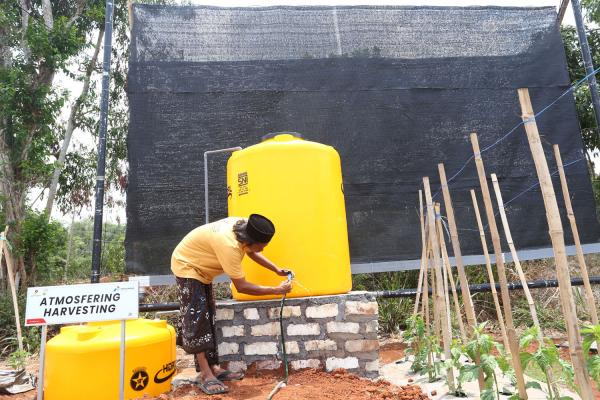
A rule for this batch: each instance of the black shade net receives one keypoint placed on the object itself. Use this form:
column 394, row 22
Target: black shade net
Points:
column 396, row 90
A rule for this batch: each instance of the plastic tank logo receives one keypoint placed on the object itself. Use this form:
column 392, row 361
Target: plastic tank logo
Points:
column 242, row 183
column 165, row 373
column 139, row 379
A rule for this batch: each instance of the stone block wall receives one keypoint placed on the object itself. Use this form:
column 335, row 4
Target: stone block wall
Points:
column 328, row 332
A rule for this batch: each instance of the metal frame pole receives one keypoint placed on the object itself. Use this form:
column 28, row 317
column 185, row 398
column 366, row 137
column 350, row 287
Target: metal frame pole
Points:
column 99, row 207
column 587, row 59
column 40, row 382
column 206, row 153
column 122, row 363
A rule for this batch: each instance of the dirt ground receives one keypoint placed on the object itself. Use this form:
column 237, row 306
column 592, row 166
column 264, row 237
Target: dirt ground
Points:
column 306, row 384
column 309, row 384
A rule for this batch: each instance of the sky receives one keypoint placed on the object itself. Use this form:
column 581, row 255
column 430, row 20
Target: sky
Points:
column 118, row 214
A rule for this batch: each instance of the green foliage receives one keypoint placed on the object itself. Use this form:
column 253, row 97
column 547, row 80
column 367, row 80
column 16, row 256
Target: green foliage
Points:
column 481, row 345
column 549, row 317
column 414, row 337
column 80, row 258
column 547, row 360
column 43, row 247
column 591, row 335
column 17, row 360
column 8, row 329
column 583, row 100
column 423, row 347
column 392, row 312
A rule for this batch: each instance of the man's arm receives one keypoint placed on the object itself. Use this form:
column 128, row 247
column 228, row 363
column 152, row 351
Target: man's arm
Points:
column 243, row 286
column 268, row 264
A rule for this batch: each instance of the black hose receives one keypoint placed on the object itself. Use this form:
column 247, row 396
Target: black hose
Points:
column 283, row 382
column 485, row 287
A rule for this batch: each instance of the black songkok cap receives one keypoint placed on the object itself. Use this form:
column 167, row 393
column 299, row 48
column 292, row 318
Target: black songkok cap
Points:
column 260, row 228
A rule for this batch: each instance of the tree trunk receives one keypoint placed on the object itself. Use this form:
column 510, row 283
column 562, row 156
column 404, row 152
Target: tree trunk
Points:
column 71, row 125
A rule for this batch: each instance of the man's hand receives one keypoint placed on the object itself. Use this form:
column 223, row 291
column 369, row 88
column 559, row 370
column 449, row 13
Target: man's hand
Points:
column 283, row 288
column 285, row 272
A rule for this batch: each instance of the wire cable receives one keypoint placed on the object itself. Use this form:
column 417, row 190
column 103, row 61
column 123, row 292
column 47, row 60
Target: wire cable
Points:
column 511, row 131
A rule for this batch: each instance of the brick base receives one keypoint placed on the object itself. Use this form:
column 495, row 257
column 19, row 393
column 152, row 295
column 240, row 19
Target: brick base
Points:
column 327, row 332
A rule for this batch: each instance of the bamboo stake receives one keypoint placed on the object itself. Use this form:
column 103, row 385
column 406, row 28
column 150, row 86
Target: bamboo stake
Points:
column 425, row 302
column 446, row 263
column 464, row 283
column 589, row 294
column 423, row 254
column 446, row 333
column 488, row 266
column 448, row 309
column 436, row 318
column 11, row 281
column 558, row 245
column 510, row 327
column 515, row 257
column 517, row 263
column 426, row 307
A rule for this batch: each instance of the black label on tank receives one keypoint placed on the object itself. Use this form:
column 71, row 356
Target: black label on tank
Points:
column 139, row 379
column 242, row 183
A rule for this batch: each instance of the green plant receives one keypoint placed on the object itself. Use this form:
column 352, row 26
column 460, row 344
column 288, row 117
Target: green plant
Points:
column 482, row 345
column 423, row 347
column 591, row 334
column 414, row 337
column 17, row 359
column 546, row 358
column 456, row 353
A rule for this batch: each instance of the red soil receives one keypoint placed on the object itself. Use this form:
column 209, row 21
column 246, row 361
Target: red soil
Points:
column 306, row 384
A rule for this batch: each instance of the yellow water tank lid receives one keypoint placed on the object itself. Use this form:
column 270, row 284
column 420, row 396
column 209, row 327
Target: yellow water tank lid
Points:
column 282, row 136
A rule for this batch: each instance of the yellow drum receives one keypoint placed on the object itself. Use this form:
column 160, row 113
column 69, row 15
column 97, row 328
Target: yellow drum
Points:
column 298, row 185
column 82, row 362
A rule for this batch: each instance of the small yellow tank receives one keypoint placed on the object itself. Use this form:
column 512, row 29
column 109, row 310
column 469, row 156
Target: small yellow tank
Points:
column 82, row 362
column 298, row 185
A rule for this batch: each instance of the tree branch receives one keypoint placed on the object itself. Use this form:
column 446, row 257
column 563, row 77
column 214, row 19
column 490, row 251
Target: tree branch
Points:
column 78, row 12
column 47, row 14
column 25, row 9
column 71, row 123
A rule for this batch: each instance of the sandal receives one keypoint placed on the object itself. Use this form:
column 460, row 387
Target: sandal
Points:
column 218, row 387
column 230, row 376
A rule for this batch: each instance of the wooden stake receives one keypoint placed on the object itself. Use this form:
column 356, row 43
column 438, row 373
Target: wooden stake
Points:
column 11, row 281
column 589, row 294
column 436, row 318
column 425, row 297
column 558, row 245
column 448, row 269
column 436, row 207
column 510, row 327
column 517, row 263
column 464, row 283
column 446, row 332
column 488, row 266
column 423, row 254
column 515, row 257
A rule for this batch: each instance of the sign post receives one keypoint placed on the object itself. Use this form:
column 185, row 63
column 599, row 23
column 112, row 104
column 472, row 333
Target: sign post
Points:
column 73, row 304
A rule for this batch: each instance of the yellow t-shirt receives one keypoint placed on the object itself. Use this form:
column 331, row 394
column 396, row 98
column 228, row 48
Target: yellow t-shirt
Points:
column 208, row 251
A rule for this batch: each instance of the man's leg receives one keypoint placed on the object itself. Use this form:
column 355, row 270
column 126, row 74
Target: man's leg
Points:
column 206, row 372
column 197, row 334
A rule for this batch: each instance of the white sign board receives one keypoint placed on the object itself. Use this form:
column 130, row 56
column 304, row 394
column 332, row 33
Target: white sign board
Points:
column 72, row 304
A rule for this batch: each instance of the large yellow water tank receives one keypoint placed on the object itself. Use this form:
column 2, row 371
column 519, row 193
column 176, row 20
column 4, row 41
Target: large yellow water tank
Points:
column 298, row 185
column 82, row 362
